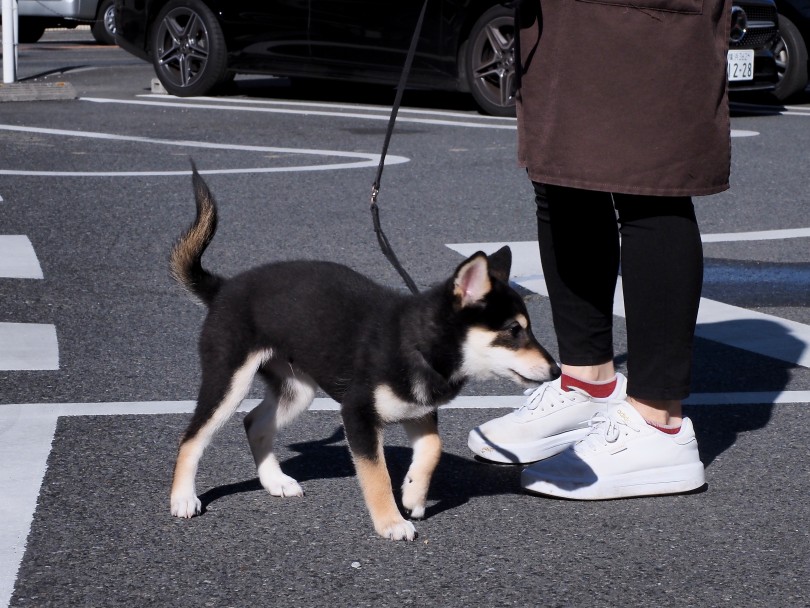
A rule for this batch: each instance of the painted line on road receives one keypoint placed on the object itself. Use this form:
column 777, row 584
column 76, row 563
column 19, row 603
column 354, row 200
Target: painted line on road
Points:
column 363, row 160
column 403, row 110
column 18, row 260
column 305, row 111
column 366, row 160
column 27, row 432
column 368, row 112
column 756, row 332
column 762, row 235
column 28, row 347
column 24, row 346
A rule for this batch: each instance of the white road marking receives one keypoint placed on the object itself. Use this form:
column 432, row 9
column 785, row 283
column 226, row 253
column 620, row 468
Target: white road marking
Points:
column 334, row 106
column 775, row 337
column 764, row 235
column 27, row 431
column 361, row 160
column 24, row 346
column 365, row 112
column 360, row 112
column 18, row 259
column 28, row 346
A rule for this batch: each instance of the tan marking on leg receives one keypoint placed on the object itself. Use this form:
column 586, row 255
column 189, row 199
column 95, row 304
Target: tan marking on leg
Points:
column 427, row 449
column 379, row 496
column 184, row 501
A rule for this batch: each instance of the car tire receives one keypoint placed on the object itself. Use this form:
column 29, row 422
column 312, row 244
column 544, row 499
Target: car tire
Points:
column 103, row 28
column 489, row 61
column 29, row 30
column 791, row 61
column 188, row 49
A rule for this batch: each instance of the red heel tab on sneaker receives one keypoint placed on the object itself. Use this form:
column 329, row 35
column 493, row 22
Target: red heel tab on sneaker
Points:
column 669, row 430
column 600, row 390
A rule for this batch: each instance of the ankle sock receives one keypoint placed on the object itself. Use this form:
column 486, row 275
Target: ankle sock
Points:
column 600, row 390
column 665, row 428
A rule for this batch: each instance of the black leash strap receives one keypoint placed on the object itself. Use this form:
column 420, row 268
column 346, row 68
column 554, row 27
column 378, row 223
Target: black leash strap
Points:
column 375, row 188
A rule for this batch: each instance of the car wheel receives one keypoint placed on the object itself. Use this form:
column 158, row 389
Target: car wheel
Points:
column 790, row 53
column 489, row 61
column 103, row 28
column 29, row 30
column 188, row 49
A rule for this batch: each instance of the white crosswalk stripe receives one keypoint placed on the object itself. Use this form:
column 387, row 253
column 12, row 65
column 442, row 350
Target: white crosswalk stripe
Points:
column 24, row 346
column 775, row 337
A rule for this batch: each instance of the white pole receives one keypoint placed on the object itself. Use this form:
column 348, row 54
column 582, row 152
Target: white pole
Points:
column 9, row 41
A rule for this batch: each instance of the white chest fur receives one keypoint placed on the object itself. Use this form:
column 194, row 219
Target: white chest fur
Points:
column 393, row 409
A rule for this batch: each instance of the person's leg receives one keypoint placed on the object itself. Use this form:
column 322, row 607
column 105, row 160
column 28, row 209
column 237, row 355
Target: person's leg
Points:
column 579, row 248
column 579, row 251
column 643, row 446
column 662, row 275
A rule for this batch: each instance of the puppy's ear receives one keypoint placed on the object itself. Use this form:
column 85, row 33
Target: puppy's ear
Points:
column 471, row 282
column 500, row 263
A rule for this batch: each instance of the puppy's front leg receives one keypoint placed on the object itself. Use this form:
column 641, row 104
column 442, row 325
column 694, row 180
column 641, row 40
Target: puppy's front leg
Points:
column 364, row 435
column 427, row 448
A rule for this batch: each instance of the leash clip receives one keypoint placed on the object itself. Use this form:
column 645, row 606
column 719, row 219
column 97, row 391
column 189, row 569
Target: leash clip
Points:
column 374, row 192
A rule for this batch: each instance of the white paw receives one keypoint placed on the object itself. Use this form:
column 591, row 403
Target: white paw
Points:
column 413, row 499
column 417, row 512
column 401, row 530
column 281, row 485
column 186, row 506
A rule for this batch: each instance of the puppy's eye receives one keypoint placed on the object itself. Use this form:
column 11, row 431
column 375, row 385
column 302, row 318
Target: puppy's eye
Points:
column 514, row 328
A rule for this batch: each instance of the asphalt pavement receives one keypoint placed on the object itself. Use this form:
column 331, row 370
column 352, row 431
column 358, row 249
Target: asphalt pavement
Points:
column 98, row 365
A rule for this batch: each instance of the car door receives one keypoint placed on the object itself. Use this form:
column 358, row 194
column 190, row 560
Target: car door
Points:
column 266, row 31
column 371, row 36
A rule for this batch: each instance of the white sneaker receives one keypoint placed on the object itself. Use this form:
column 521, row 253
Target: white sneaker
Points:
column 621, row 456
column 549, row 421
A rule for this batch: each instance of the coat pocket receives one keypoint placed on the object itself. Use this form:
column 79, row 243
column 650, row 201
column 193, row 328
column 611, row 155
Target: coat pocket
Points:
column 685, row 7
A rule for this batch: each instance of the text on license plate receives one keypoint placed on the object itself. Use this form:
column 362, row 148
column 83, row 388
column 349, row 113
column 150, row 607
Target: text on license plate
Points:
column 740, row 64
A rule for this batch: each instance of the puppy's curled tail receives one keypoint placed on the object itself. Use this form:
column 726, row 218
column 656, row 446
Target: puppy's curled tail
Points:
column 185, row 260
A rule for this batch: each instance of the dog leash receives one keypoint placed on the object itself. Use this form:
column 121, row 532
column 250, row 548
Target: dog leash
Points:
column 375, row 187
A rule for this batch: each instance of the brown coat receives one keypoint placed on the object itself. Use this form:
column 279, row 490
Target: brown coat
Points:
column 626, row 96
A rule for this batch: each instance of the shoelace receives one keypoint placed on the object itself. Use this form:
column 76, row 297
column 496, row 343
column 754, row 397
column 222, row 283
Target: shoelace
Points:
column 556, row 397
column 605, row 427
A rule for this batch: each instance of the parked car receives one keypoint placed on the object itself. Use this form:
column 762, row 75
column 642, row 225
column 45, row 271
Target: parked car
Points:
column 198, row 45
column 755, row 32
column 35, row 16
column 791, row 49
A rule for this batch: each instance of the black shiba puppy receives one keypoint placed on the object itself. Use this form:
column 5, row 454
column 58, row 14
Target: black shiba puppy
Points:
column 383, row 355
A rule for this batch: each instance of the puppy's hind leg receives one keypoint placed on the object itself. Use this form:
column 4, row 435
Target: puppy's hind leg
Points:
column 220, row 394
column 427, row 449
column 284, row 400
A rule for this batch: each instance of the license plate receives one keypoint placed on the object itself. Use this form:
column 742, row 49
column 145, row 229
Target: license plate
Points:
column 740, row 65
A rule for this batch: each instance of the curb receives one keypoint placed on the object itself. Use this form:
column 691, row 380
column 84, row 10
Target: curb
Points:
column 36, row 91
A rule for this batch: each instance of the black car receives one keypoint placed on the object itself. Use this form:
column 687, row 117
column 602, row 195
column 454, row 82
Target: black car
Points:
column 755, row 33
column 195, row 45
column 791, row 50
column 465, row 45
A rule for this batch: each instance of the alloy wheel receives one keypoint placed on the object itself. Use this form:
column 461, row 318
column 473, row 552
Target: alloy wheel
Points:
column 183, row 45
column 493, row 62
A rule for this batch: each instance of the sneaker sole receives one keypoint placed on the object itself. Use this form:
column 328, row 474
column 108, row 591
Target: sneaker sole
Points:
column 523, row 453
column 658, row 482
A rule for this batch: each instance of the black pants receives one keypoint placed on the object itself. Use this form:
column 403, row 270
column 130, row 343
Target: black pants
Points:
column 585, row 237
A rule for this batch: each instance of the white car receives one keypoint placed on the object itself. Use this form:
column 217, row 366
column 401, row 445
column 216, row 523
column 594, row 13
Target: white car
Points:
column 34, row 16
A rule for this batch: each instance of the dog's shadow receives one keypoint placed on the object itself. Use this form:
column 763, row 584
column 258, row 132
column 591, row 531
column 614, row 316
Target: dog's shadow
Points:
column 455, row 481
